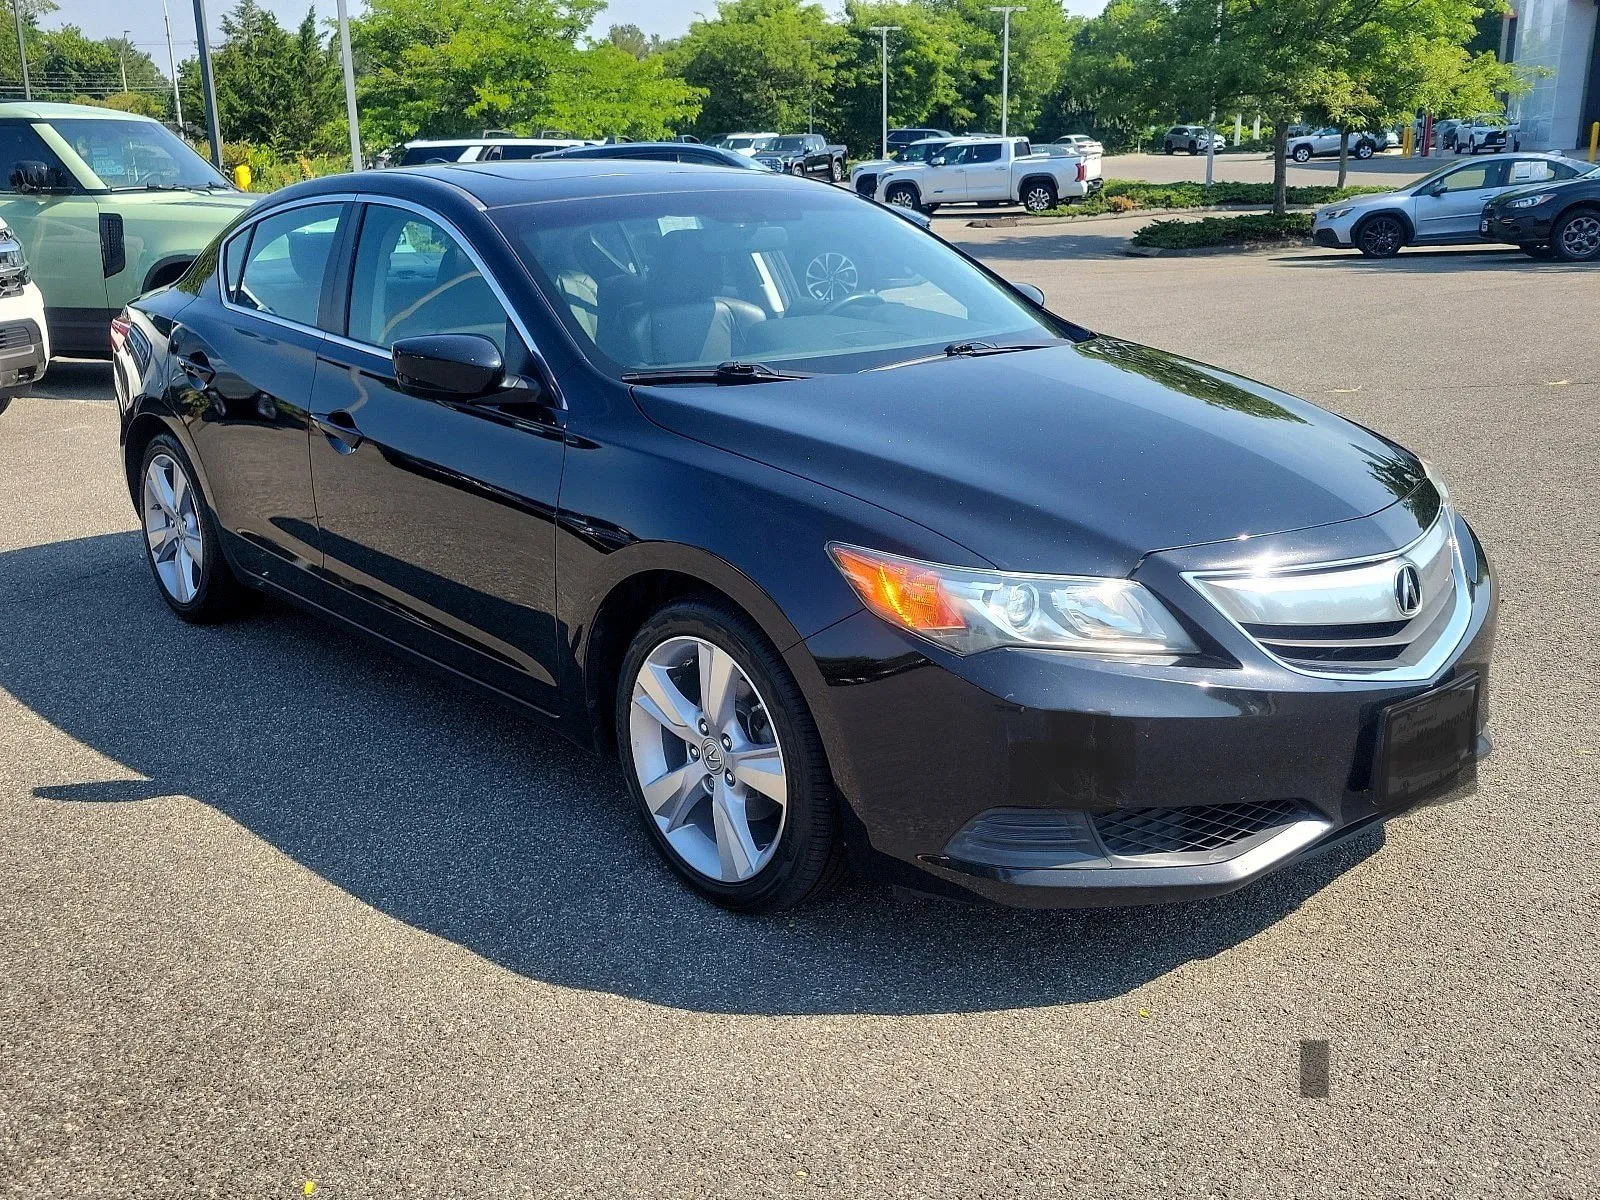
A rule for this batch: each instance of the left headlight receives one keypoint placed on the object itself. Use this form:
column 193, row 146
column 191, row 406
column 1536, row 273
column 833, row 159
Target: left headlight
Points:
column 967, row 610
column 1333, row 214
column 1531, row 201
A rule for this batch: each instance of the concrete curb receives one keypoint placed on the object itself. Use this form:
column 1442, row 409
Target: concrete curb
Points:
column 1012, row 222
column 1133, row 251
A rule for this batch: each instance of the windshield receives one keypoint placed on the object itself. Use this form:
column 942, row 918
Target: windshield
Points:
column 137, row 154
column 921, row 151
column 822, row 282
column 749, row 143
column 787, row 144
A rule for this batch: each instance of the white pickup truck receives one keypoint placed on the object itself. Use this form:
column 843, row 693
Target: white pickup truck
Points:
column 991, row 170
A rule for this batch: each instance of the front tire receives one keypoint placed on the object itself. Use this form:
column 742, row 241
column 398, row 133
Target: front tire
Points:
column 181, row 541
column 1302, row 154
column 1576, row 236
column 901, row 195
column 1381, row 236
column 798, row 170
column 725, row 762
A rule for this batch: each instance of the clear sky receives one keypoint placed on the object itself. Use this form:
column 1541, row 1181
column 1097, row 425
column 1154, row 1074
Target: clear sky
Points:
column 142, row 18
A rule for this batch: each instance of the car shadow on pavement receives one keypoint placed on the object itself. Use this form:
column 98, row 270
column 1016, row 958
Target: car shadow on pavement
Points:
column 1437, row 261
column 458, row 816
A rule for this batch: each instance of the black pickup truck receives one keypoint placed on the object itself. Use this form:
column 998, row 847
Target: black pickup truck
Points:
column 803, row 154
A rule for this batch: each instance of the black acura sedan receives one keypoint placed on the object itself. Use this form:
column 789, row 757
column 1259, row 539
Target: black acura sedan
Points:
column 1555, row 219
column 848, row 549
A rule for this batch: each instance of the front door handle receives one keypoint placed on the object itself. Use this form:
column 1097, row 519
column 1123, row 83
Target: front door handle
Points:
column 339, row 427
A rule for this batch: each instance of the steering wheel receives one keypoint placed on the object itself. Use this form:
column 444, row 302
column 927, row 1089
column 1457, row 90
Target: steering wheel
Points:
column 854, row 299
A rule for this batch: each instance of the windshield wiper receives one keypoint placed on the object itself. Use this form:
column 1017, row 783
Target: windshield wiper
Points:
column 979, row 349
column 967, row 350
column 721, row 374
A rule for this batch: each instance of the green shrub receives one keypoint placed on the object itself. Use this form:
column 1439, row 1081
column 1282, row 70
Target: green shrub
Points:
column 1125, row 195
column 1225, row 231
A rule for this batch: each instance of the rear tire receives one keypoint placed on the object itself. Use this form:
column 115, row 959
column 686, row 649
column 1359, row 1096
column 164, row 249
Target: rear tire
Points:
column 835, row 171
column 1381, row 236
column 181, row 541
column 727, row 838
column 1038, row 196
column 1364, row 150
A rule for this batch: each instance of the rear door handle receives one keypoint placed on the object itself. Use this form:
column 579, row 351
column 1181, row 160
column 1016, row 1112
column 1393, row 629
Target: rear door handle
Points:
column 339, row 427
column 197, row 369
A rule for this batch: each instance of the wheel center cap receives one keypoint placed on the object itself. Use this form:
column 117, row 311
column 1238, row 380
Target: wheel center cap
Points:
column 711, row 755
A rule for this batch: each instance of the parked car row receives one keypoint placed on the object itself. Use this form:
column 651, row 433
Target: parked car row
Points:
column 1473, row 202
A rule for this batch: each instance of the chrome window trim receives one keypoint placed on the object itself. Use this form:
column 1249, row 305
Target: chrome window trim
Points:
column 1424, row 668
column 338, row 339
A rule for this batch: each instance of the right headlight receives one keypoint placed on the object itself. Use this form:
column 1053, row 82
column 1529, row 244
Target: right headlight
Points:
column 966, row 610
column 1531, row 201
column 1333, row 214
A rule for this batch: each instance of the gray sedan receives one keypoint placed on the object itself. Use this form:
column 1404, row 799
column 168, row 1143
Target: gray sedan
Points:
column 1438, row 210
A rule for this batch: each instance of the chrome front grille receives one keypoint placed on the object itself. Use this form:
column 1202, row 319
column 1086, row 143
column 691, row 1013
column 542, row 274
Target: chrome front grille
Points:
column 1395, row 615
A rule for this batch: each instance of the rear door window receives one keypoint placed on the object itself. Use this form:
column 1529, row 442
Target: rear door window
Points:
column 287, row 262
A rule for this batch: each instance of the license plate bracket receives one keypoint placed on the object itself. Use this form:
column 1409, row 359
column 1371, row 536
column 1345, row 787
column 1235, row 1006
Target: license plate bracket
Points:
column 1424, row 742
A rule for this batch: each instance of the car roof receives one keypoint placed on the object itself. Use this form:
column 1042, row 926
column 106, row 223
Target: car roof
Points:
column 31, row 111
column 498, row 184
column 469, row 140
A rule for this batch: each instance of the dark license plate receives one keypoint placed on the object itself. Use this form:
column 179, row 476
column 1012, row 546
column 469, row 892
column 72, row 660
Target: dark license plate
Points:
column 1426, row 741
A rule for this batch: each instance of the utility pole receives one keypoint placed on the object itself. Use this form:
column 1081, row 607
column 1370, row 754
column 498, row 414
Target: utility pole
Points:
column 172, row 63
column 883, row 32
column 122, row 58
column 349, row 85
column 1005, row 63
column 22, row 50
column 208, row 85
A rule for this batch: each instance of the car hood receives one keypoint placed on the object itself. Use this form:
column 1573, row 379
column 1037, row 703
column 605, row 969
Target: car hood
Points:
column 1378, row 200
column 1075, row 459
column 223, row 203
column 873, row 164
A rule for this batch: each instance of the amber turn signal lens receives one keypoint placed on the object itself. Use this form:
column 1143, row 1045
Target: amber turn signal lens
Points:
column 899, row 591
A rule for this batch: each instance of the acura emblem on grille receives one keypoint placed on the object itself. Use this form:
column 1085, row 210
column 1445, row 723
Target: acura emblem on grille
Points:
column 1408, row 590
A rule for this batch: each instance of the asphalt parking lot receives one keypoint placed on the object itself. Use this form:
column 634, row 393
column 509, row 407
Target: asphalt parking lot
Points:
column 278, row 910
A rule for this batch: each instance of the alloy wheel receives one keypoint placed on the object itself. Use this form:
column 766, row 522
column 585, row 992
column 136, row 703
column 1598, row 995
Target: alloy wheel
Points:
column 1038, row 199
column 831, row 276
column 1580, row 237
column 902, row 198
column 707, row 758
column 172, row 528
column 1382, row 237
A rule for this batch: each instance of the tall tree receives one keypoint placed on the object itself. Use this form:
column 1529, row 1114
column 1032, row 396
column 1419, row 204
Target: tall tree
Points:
column 275, row 87
column 606, row 92
column 445, row 67
column 764, row 64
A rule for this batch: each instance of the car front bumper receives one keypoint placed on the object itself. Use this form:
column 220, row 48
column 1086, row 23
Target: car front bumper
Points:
column 1046, row 780
column 1336, row 234
column 1520, row 227
column 24, row 336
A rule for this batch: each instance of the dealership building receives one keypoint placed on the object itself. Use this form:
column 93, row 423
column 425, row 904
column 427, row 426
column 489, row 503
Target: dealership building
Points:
column 1558, row 36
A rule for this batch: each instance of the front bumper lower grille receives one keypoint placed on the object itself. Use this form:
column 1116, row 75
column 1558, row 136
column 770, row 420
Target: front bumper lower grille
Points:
column 1133, row 832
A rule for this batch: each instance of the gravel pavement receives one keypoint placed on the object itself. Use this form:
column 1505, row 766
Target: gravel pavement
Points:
column 277, row 910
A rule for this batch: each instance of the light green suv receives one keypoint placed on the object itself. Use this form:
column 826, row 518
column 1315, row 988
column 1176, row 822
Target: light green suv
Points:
column 107, row 205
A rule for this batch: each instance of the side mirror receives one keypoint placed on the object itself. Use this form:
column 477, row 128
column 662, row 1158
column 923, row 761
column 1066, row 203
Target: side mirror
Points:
column 1438, row 190
column 1036, row 294
column 937, row 160
column 447, row 366
column 31, row 175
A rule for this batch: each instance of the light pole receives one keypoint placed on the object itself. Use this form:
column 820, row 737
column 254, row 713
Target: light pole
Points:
column 1005, row 62
column 22, row 50
column 208, row 84
column 883, row 32
column 172, row 63
column 349, row 85
column 122, row 58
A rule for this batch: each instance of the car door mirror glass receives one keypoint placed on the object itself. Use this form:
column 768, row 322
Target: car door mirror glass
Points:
column 448, row 366
column 31, row 175
column 1031, row 291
